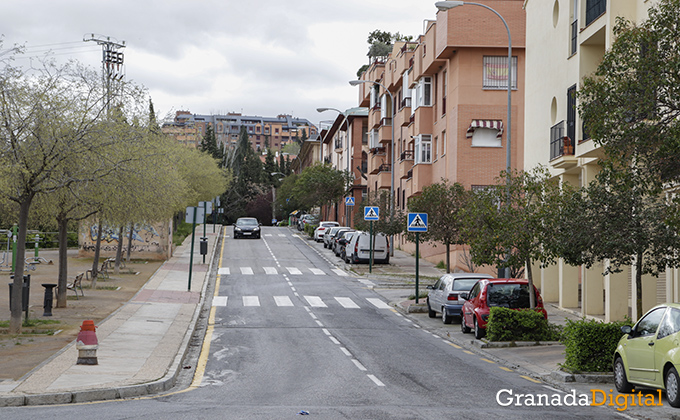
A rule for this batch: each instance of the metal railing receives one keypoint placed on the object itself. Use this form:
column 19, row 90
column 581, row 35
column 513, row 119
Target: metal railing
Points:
column 385, row 167
column 407, row 155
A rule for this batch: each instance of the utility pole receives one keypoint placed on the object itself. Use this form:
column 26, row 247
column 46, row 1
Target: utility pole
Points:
column 112, row 61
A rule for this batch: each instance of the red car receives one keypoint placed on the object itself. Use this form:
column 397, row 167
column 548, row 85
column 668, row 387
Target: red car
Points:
column 486, row 293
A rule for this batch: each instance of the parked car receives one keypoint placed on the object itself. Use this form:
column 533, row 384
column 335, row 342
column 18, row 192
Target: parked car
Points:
column 359, row 249
column 444, row 296
column 247, row 227
column 323, row 226
column 304, row 219
column 487, row 293
column 330, row 234
column 336, row 242
column 342, row 243
column 647, row 354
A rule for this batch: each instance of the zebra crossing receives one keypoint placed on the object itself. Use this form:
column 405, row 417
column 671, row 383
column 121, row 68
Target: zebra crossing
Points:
column 293, row 271
column 286, row 301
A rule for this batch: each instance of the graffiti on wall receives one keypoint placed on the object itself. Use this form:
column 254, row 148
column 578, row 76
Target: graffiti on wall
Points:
column 147, row 239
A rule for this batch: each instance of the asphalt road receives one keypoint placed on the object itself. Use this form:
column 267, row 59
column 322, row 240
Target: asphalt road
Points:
column 292, row 335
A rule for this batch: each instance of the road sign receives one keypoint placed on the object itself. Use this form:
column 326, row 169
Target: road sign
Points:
column 349, row 201
column 189, row 215
column 417, row 222
column 371, row 213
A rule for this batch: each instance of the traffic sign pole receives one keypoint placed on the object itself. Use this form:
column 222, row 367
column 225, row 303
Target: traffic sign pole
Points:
column 417, row 259
column 370, row 256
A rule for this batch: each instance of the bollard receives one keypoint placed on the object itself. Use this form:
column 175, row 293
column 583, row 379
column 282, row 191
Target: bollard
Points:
column 49, row 297
column 87, row 344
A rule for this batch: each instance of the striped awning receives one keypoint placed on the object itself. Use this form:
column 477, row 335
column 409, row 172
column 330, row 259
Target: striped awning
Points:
column 492, row 124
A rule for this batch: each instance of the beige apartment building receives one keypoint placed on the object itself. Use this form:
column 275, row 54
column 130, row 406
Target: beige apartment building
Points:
column 566, row 40
column 450, row 107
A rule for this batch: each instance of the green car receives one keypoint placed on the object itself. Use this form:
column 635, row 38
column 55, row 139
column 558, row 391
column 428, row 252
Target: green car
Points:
column 648, row 354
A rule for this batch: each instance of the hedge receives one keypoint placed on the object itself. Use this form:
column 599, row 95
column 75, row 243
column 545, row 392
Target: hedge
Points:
column 520, row 325
column 590, row 344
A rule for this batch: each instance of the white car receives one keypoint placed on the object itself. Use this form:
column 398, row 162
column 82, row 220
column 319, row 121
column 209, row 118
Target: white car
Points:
column 358, row 250
column 329, row 234
column 321, row 230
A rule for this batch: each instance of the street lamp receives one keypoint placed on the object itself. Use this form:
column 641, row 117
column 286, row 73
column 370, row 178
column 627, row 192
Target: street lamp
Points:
column 356, row 83
column 347, row 212
column 446, row 5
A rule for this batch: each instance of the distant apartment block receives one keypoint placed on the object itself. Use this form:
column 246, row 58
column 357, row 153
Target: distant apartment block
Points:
column 189, row 129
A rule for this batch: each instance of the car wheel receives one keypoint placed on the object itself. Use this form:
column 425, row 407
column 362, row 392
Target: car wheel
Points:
column 672, row 382
column 479, row 332
column 446, row 319
column 464, row 328
column 620, row 379
column 430, row 312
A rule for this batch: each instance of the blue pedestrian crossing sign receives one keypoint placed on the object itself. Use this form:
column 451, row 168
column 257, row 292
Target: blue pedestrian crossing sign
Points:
column 349, row 201
column 371, row 213
column 417, row 222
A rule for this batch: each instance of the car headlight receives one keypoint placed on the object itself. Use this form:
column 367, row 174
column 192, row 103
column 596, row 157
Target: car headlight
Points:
column 237, row 228
column 256, row 229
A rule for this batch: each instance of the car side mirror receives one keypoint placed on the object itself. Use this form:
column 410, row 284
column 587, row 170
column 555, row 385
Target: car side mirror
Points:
column 430, row 287
column 626, row 329
column 464, row 295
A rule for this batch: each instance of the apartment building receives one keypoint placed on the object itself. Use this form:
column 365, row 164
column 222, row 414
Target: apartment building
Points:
column 566, row 40
column 275, row 132
column 446, row 105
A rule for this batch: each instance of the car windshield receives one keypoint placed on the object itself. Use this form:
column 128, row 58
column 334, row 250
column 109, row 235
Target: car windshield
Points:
column 508, row 295
column 463, row 284
column 247, row 222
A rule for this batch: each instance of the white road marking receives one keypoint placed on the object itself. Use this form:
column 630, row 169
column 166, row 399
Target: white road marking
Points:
column 293, row 270
column 345, row 351
column 325, row 331
column 317, row 271
column 315, row 302
column 334, row 340
column 378, row 303
column 339, row 272
column 246, row 270
column 219, row 301
column 347, row 302
column 366, row 282
column 270, row 270
column 223, row 271
column 375, row 380
column 267, row 234
column 282, row 235
column 251, row 301
column 358, row 364
column 283, row 301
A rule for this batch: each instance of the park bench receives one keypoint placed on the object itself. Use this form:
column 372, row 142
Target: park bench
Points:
column 77, row 285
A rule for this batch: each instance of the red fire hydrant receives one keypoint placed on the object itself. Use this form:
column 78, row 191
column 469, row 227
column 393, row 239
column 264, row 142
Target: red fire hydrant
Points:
column 87, row 345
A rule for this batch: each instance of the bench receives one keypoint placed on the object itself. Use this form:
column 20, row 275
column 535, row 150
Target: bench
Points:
column 76, row 285
column 103, row 272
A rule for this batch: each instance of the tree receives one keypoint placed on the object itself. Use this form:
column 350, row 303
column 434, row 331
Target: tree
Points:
column 320, row 185
column 209, row 143
column 631, row 105
column 247, row 171
column 443, row 203
column 388, row 224
column 504, row 224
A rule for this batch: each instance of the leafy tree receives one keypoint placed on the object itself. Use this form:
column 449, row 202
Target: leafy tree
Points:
column 320, row 185
column 209, row 143
column 154, row 128
column 248, row 174
column 388, row 224
column 443, row 203
column 631, row 105
column 504, row 224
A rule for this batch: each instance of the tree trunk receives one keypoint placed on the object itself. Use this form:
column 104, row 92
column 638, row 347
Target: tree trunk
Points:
column 530, row 278
column 638, row 285
column 97, row 246
column 62, row 222
column 448, row 257
column 129, row 248
column 119, row 251
column 18, row 283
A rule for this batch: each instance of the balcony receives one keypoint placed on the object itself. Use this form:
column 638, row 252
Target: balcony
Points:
column 595, row 9
column 338, row 146
column 385, row 167
column 406, row 155
column 561, row 148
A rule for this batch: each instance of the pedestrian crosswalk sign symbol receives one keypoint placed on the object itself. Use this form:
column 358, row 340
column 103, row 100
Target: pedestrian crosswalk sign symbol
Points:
column 349, row 201
column 417, row 222
column 371, row 213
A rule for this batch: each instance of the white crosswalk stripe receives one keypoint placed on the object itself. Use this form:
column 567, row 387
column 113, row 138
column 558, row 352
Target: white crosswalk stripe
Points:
column 315, row 302
column 293, row 270
column 378, row 303
column 282, row 235
column 223, row 271
column 346, row 302
column 270, row 270
column 251, row 301
column 246, row 270
column 339, row 272
column 219, row 301
column 317, row 271
column 267, row 234
column 283, row 301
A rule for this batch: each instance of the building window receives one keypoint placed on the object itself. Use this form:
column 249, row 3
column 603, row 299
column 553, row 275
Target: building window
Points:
column 594, row 9
column 445, row 87
column 443, row 143
column 423, row 149
column 423, row 92
column 374, row 141
column 496, row 72
column 485, row 133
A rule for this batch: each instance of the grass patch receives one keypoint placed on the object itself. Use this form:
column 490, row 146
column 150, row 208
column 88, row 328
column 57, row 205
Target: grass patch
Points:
column 108, row 288
column 421, row 295
column 32, row 323
column 441, row 265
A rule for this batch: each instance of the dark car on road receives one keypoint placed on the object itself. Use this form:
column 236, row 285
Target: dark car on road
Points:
column 247, row 227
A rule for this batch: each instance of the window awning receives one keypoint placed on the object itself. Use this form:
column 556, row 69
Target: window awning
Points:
column 492, row 124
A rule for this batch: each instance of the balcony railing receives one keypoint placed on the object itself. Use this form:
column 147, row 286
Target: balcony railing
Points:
column 594, row 9
column 385, row 167
column 386, row 122
column 409, row 174
column 405, row 103
column 338, row 144
column 407, row 155
column 560, row 145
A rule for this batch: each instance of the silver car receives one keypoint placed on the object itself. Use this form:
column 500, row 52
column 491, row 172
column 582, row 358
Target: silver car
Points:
column 329, row 233
column 444, row 296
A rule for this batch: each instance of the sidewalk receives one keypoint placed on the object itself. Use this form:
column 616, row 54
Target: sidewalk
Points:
column 141, row 345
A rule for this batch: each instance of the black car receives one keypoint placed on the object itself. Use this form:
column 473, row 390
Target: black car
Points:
column 247, row 227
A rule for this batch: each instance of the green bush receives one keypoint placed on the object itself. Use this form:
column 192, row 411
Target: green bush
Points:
column 590, row 344
column 520, row 325
column 183, row 230
column 309, row 229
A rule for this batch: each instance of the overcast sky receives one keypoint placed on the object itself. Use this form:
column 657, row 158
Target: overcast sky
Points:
column 258, row 57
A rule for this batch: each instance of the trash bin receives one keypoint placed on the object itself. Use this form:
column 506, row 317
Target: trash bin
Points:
column 25, row 291
column 204, row 246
